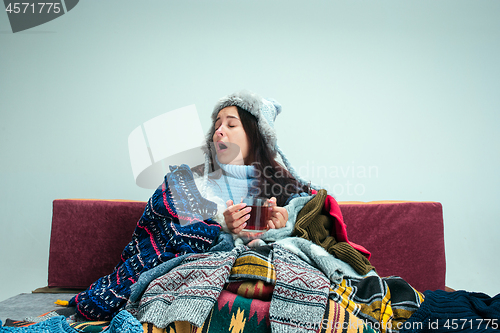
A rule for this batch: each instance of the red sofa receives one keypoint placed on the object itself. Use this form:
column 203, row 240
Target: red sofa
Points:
column 406, row 239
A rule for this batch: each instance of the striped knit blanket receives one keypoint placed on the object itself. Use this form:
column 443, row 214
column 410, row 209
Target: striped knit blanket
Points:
column 177, row 220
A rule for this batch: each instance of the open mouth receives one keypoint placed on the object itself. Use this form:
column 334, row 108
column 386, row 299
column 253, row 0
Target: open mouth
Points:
column 221, row 146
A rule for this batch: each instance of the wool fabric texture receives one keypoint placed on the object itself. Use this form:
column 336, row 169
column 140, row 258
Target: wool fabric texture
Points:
column 224, row 243
column 176, row 221
column 254, row 264
column 123, row 322
column 188, row 292
column 315, row 225
column 458, row 311
column 384, row 302
column 231, row 182
column 334, row 268
column 293, row 207
column 53, row 325
column 300, row 294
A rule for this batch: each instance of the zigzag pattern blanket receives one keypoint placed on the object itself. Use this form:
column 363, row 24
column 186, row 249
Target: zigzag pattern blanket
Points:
column 177, row 220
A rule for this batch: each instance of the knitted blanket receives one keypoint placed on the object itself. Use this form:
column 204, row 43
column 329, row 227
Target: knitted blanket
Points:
column 123, row 322
column 383, row 303
column 300, row 294
column 254, row 264
column 189, row 291
column 334, row 268
column 224, row 243
column 176, row 220
column 458, row 311
column 235, row 313
column 315, row 224
column 231, row 313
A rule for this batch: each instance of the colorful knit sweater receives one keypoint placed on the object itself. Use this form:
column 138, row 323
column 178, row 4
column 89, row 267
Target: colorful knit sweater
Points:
column 177, row 220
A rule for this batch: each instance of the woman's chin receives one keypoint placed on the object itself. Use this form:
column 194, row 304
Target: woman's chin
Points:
column 228, row 158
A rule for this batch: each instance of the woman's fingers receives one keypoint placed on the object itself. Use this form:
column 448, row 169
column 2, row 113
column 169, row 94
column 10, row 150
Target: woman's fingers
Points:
column 236, row 211
column 242, row 226
column 279, row 217
column 236, row 216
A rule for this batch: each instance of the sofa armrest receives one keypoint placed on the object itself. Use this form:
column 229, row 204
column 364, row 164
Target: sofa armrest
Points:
column 87, row 239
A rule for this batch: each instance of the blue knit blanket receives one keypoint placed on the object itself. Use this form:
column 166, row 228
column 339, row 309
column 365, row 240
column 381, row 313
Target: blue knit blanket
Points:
column 177, row 220
column 458, row 311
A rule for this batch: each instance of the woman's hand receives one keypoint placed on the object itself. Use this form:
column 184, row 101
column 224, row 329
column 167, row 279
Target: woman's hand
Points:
column 279, row 215
column 236, row 216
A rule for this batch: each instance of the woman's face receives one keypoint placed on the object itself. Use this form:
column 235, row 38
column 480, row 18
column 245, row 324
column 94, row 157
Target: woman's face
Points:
column 230, row 140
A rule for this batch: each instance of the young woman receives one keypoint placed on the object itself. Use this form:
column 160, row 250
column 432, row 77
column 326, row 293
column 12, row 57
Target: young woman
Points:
column 241, row 159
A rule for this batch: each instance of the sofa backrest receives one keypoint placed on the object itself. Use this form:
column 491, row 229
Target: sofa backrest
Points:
column 406, row 239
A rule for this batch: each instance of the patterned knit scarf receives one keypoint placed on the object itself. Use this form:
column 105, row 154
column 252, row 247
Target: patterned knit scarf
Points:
column 177, row 220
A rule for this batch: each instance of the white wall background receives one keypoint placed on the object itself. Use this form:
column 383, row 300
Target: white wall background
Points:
column 408, row 88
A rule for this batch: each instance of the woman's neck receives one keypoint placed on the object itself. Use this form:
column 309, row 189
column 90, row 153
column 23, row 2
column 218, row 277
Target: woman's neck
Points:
column 237, row 170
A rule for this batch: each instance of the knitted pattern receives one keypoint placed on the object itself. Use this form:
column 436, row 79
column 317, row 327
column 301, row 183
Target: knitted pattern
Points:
column 334, row 268
column 188, row 292
column 300, row 294
column 224, row 243
column 123, row 322
column 314, row 225
column 253, row 265
column 232, row 313
column 177, row 220
column 53, row 325
column 230, row 182
column 384, row 303
column 458, row 311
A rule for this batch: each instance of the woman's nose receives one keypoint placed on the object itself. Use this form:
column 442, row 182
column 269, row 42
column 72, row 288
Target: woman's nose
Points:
column 219, row 131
